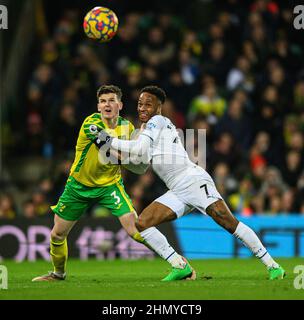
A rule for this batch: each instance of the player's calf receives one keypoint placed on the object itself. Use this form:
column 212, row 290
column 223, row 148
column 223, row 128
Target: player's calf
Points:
column 221, row 214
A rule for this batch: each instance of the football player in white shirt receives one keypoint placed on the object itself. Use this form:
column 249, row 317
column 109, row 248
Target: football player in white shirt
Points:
column 190, row 186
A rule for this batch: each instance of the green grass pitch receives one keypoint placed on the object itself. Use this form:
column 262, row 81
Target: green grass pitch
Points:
column 140, row 279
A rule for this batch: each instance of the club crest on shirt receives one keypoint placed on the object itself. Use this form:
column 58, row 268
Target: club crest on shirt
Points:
column 61, row 207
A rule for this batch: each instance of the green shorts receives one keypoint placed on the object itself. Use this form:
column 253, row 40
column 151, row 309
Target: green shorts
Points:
column 76, row 198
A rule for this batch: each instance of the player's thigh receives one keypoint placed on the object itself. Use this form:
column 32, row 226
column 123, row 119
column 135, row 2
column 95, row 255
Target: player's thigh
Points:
column 173, row 202
column 222, row 215
column 116, row 199
column 165, row 208
column 153, row 215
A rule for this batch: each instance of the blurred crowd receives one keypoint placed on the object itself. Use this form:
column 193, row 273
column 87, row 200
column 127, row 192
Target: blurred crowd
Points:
column 238, row 75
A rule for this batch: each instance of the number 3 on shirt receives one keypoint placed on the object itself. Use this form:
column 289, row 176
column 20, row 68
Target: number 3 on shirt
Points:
column 115, row 196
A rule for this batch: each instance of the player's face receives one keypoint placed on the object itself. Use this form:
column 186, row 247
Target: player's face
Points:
column 148, row 106
column 109, row 105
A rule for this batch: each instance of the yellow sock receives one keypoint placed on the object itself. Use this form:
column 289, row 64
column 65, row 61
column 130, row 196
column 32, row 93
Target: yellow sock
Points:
column 59, row 255
column 137, row 237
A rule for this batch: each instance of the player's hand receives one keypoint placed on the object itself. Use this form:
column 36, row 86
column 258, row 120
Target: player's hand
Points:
column 102, row 139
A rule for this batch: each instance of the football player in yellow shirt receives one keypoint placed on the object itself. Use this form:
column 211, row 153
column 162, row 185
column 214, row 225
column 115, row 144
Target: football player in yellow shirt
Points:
column 91, row 181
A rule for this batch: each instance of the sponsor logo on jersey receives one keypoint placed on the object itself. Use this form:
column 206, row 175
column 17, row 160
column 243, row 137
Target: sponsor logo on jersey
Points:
column 93, row 128
column 151, row 125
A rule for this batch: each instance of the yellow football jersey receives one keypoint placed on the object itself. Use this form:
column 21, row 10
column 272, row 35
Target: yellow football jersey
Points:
column 87, row 169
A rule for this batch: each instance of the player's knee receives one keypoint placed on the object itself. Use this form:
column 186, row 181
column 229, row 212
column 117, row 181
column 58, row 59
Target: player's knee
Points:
column 57, row 236
column 141, row 224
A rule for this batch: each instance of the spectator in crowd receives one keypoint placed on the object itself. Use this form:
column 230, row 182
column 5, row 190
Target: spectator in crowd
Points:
column 208, row 104
column 240, row 76
column 28, row 209
column 225, row 150
column 248, row 50
column 225, row 182
column 289, row 203
column 170, row 111
column 7, row 207
column 65, row 127
column 125, row 44
column 272, row 189
column 257, row 204
column 275, row 205
column 262, row 148
column 217, row 62
column 237, row 123
column 189, row 67
column 40, row 202
column 298, row 96
column 192, row 44
column 258, row 167
column 156, row 51
column 293, row 167
column 34, row 134
column 240, row 201
column 178, row 91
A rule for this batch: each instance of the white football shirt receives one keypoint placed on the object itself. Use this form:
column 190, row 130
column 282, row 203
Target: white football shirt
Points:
column 169, row 158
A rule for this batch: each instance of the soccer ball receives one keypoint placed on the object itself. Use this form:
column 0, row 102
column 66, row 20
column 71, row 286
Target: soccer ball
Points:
column 100, row 24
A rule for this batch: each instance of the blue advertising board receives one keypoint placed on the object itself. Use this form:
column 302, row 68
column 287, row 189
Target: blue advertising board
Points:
column 200, row 237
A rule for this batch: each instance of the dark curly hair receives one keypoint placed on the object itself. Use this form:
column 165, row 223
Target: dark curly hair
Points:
column 156, row 91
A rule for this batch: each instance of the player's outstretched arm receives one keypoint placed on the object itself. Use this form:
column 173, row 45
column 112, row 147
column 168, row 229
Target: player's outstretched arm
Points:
column 151, row 131
column 133, row 147
column 141, row 145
